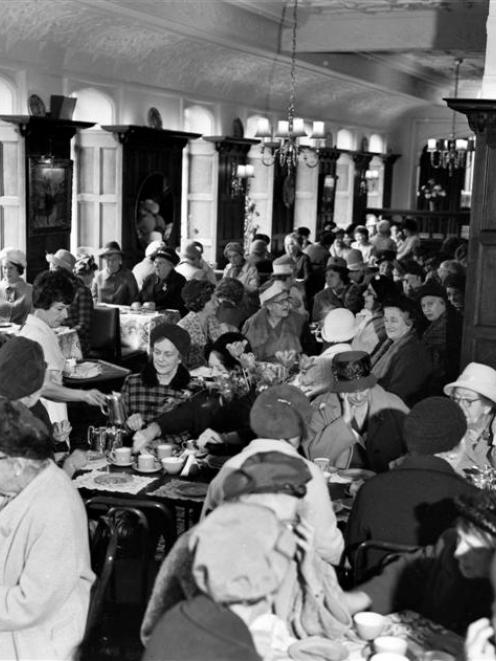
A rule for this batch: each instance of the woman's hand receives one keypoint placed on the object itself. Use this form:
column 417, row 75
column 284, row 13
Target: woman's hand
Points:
column 94, row 397
column 61, row 431
column 145, row 436
column 477, row 645
column 74, row 462
column 208, row 436
column 135, row 421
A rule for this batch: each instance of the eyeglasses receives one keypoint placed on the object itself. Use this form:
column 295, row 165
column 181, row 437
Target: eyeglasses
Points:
column 285, row 301
column 464, row 401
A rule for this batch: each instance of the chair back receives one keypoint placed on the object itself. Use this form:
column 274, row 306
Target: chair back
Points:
column 390, row 551
column 105, row 334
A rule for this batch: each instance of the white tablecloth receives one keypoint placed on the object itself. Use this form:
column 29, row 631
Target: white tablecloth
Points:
column 136, row 325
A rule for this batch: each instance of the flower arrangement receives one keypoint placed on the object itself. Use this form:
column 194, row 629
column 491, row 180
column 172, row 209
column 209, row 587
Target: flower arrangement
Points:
column 432, row 191
column 250, row 225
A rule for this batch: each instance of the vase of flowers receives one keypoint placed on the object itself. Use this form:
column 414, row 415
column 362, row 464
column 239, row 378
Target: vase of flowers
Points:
column 433, row 194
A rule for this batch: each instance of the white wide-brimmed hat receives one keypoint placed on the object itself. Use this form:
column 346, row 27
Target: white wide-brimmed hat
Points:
column 477, row 377
column 339, row 325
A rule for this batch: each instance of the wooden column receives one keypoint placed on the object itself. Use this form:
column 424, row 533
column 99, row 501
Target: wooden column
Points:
column 326, row 194
column 362, row 161
column 389, row 161
column 479, row 331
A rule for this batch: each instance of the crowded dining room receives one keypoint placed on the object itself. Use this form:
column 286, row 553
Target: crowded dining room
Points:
column 247, row 330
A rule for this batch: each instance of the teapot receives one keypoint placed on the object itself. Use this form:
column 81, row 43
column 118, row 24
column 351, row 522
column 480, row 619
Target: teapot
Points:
column 115, row 409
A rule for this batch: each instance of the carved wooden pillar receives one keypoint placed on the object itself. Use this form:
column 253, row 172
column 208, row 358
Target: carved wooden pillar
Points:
column 479, row 331
column 389, row 160
column 326, row 194
column 362, row 162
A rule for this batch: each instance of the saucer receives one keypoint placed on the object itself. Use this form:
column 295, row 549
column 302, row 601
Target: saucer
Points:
column 112, row 462
column 113, row 479
column 146, row 471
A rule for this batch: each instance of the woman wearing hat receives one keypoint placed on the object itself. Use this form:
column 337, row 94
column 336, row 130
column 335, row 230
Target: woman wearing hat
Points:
column 163, row 287
column 114, row 283
column 275, row 327
column 370, row 331
column 475, row 393
column 338, row 330
column 239, row 268
column 163, row 382
column 260, row 258
column 80, row 312
column 201, row 323
column 190, row 264
column 357, row 423
column 339, row 292
column 15, row 293
column 401, row 362
column 233, row 308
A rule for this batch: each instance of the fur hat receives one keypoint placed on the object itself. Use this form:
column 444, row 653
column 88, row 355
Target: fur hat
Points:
column 432, row 288
column 22, row 368
column 383, row 287
column 434, row 425
column 174, row 333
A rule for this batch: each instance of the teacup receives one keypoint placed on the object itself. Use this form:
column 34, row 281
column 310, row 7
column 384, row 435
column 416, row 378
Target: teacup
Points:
column 391, row 644
column 121, row 456
column 164, row 450
column 173, row 465
column 146, row 462
column 369, row 625
column 322, row 463
column 149, row 305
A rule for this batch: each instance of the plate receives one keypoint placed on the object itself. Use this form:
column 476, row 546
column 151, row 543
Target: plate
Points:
column 114, row 463
column 36, row 106
column 192, row 490
column 113, row 479
column 147, row 471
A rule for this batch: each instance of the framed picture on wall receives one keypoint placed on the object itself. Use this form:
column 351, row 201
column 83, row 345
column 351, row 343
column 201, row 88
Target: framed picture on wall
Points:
column 50, row 194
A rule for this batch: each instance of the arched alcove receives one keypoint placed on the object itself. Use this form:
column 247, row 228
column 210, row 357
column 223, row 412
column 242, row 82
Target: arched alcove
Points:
column 376, row 144
column 7, row 97
column 94, row 106
column 345, row 139
column 198, row 119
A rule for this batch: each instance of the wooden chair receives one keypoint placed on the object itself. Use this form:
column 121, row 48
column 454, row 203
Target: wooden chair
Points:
column 359, row 559
column 105, row 334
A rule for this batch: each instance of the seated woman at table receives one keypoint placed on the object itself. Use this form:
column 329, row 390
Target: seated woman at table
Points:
column 163, row 287
column 114, row 284
column 233, row 308
column 370, row 320
column 220, row 359
column 238, row 267
column 276, row 327
column 80, row 312
column 45, row 561
column 15, row 292
column 201, row 322
column 52, row 295
column 163, row 383
column 447, row 583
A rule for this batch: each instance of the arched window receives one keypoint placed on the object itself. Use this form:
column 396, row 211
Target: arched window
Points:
column 376, row 144
column 198, row 119
column 345, row 139
column 6, row 97
column 93, row 106
column 252, row 125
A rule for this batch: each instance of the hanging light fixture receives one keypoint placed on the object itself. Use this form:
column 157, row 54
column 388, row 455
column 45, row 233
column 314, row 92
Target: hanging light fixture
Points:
column 285, row 148
column 451, row 154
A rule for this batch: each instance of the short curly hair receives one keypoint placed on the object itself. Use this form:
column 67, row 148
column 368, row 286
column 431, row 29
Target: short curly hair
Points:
column 51, row 287
column 230, row 290
column 196, row 294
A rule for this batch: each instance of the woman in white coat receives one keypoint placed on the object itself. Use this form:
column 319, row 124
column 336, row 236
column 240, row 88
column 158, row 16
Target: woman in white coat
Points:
column 45, row 573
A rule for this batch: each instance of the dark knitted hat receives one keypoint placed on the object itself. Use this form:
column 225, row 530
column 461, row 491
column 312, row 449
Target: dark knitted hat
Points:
column 167, row 253
column 22, row 368
column 336, row 263
column 479, row 510
column 175, row 334
column 111, row 248
column 432, row 288
column 383, row 287
column 352, row 371
column 268, row 472
column 21, row 434
column 434, row 425
column 280, row 412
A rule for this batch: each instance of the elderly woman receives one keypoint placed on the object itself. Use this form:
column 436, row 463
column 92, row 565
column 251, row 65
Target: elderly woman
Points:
column 80, row 313
column 401, row 362
column 475, row 393
column 200, row 322
column 164, row 286
column 301, row 262
column 239, row 268
column 53, row 292
column 114, row 283
column 15, row 293
column 163, row 382
column 370, row 330
column 220, row 359
column 382, row 240
column 339, row 292
column 45, row 562
column 275, row 327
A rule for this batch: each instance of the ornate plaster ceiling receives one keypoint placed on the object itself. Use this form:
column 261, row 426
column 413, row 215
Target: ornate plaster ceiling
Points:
column 223, row 50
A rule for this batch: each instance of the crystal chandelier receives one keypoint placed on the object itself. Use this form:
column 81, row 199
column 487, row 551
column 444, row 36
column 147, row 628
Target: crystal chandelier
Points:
column 450, row 154
column 286, row 149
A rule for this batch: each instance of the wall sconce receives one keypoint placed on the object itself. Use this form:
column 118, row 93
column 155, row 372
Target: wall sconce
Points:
column 239, row 175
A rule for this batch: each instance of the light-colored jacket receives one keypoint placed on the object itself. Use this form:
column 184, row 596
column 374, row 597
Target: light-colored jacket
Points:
column 319, row 513
column 45, row 574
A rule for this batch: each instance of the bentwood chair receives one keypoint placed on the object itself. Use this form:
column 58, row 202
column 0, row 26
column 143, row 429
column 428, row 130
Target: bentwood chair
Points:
column 388, row 551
